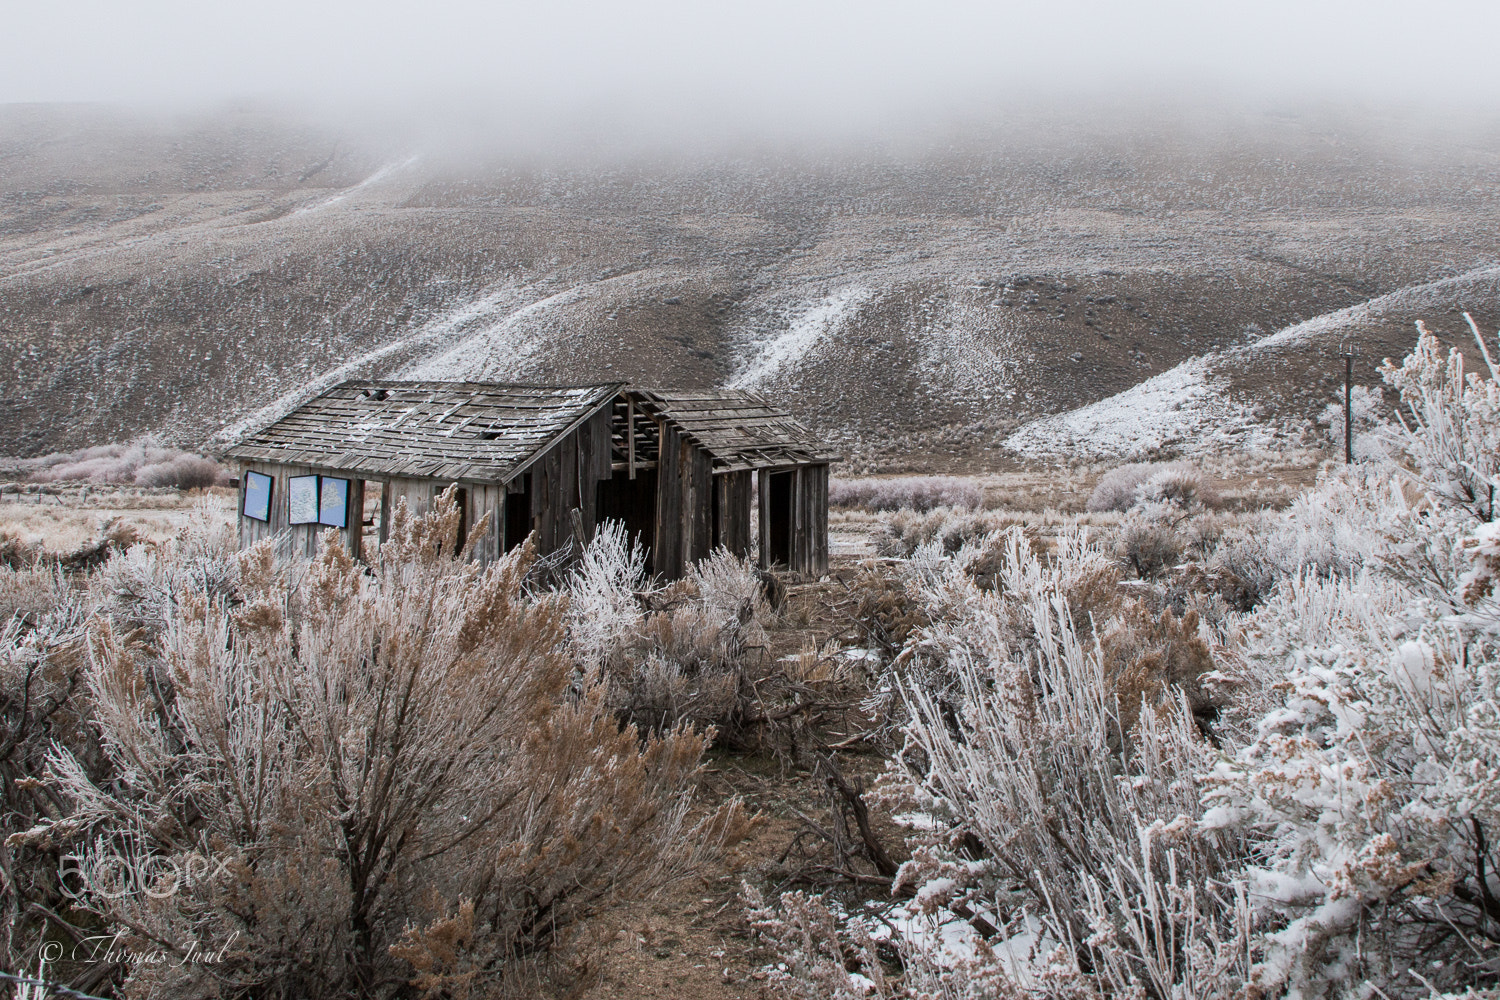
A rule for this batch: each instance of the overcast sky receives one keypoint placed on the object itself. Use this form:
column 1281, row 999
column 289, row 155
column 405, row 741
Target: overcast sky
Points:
column 816, row 57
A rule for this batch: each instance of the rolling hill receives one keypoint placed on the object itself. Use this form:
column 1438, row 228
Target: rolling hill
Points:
column 917, row 301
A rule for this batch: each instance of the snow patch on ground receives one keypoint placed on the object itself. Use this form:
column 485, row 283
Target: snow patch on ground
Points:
column 1180, row 405
column 976, row 355
column 1432, row 295
column 498, row 348
column 384, row 172
column 803, row 335
column 1187, row 409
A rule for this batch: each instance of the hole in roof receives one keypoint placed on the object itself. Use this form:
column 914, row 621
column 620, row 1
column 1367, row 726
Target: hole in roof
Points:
column 377, row 394
column 491, row 435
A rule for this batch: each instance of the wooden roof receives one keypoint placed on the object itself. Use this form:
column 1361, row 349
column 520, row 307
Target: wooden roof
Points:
column 481, row 432
column 740, row 429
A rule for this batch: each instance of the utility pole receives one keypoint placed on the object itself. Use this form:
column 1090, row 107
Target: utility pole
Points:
column 1348, row 350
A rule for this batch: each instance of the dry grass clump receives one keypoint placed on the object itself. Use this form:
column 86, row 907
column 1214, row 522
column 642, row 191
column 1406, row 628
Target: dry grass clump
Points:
column 387, row 778
column 911, row 492
column 141, row 462
column 885, row 614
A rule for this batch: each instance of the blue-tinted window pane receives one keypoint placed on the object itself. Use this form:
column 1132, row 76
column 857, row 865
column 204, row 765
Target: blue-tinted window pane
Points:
column 333, row 508
column 258, row 496
column 302, row 497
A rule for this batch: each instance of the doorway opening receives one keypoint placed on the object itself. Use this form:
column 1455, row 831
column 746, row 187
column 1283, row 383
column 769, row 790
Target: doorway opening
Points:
column 633, row 503
column 779, row 507
column 517, row 512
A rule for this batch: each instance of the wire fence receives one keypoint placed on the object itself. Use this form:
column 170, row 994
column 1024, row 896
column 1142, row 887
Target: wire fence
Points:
column 28, row 987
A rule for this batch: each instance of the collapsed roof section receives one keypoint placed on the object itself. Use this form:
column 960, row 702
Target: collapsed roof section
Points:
column 741, row 430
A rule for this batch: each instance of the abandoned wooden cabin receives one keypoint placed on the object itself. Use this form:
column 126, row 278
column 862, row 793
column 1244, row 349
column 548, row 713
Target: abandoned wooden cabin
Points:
column 686, row 472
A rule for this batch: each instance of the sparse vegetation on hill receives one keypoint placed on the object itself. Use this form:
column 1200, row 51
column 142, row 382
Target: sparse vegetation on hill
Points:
column 917, row 307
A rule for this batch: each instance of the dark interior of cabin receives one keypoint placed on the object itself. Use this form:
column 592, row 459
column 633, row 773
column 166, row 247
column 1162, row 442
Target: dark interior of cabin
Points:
column 518, row 513
column 632, row 502
column 779, row 486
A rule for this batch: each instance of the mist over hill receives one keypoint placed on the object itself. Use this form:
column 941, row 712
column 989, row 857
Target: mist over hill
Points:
column 933, row 291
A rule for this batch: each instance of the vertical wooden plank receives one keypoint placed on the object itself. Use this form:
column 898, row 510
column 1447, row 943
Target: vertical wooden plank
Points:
column 387, row 508
column 354, row 528
column 819, row 526
column 489, row 502
column 669, row 528
column 734, row 512
column 765, row 523
column 699, row 504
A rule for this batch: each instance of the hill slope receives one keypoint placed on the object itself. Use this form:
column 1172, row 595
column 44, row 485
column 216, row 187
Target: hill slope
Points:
column 182, row 276
column 1247, row 397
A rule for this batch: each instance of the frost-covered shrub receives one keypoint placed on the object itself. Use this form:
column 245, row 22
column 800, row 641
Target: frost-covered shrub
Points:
column 1365, row 727
column 373, row 776
column 912, row 492
column 819, row 948
column 1449, row 422
column 1334, row 528
column 689, row 652
column 1149, row 546
column 1116, row 488
column 604, row 609
column 1083, row 810
column 142, row 462
column 43, row 656
column 906, row 530
column 140, row 585
column 1371, row 436
column 1175, row 483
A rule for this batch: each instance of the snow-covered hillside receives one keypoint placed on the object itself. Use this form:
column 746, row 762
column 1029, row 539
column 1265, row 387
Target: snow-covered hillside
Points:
column 1242, row 398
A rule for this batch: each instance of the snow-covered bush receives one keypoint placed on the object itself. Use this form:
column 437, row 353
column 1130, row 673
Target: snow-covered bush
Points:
column 912, row 492
column 1177, row 483
column 1371, row 436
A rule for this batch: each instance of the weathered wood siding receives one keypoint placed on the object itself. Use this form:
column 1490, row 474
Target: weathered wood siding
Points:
column 668, row 560
column 296, row 539
column 733, row 508
column 807, row 524
column 812, row 515
column 696, row 469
